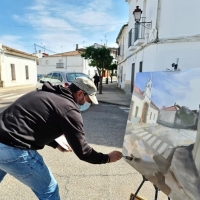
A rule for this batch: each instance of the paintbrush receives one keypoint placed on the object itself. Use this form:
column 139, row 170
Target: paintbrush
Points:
column 127, row 157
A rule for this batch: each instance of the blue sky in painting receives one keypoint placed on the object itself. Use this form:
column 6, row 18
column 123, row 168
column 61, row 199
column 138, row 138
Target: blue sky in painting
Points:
column 181, row 87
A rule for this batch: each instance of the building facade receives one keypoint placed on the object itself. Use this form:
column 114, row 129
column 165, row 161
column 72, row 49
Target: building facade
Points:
column 17, row 68
column 164, row 35
column 68, row 61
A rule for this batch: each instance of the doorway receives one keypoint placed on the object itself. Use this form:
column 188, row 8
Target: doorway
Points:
column 144, row 112
column 132, row 76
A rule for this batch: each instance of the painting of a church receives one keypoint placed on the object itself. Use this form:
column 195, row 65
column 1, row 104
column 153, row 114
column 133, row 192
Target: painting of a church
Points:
column 163, row 131
column 142, row 109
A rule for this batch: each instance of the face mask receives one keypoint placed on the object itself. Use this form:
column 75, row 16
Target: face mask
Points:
column 84, row 107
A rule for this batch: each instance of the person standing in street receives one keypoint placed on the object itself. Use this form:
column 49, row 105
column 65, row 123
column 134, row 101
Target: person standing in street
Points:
column 96, row 80
column 37, row 119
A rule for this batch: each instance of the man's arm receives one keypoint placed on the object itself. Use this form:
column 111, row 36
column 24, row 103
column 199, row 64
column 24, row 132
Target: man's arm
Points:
column 72, row 127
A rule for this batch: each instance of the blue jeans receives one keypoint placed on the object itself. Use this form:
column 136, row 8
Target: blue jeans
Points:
column 28, row 167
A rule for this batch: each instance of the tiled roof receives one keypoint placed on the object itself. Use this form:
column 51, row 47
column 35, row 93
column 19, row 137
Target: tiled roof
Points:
column 16, row 51
column 70, row 53
column 138, row 90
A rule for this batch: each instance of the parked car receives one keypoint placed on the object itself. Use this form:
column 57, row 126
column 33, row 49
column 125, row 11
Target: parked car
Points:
column 60, row 78
column 40, row 76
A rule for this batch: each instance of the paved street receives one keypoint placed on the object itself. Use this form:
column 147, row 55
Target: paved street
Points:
column 105, row 126
column 8, row 96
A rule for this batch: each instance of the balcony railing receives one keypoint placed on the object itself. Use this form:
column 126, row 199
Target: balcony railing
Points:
column 59, row 65
column 136, row 33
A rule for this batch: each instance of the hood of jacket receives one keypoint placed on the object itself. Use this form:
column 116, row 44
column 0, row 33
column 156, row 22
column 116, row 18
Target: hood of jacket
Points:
column 57, row 89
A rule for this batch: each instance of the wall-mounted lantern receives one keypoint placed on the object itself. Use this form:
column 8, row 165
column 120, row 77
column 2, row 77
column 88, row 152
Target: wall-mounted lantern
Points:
column 137, row 15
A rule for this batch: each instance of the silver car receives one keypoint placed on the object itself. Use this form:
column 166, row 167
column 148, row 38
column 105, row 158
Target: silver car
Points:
column 60, row 78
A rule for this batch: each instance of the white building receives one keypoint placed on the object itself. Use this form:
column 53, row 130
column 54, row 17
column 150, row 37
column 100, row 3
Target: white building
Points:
column 171, row 36
column 17, row 68
column 68, row 61
column 142, row 109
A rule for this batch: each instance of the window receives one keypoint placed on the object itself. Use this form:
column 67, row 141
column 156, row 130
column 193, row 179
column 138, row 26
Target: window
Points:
column 26, row 71
column 140, row 70
column 47, row 77
column 150, row 115
column 136, row 111
column 56, row 78
column 70, row 77
column 46, row 62
column 13, row 76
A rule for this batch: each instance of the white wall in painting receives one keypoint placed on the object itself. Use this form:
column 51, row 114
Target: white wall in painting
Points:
column 143, row 109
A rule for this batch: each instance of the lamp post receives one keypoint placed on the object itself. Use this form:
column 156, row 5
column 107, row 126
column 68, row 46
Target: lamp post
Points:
column 137, row 13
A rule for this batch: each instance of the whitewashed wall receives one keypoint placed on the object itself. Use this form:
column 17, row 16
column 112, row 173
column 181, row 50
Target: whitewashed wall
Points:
column 174, row 20
column 179, row 18
column 158, row 57
column 71, row 64
column 20, row 72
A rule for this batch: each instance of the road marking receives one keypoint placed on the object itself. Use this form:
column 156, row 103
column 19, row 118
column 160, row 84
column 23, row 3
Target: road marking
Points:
column 156, row 144
column 167, row 152
column 162, row 148
column 141, row 133
column 13, row 97
column 152, row 140
column 125, row 109
column 146, row 137
column 5, row 95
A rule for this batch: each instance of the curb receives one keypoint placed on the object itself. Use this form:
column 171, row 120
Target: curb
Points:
column 117, row 104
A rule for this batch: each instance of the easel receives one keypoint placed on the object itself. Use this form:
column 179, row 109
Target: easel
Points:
column 140, row 186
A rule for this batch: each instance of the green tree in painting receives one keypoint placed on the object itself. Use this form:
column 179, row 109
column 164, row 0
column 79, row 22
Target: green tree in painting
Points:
column 99, row 58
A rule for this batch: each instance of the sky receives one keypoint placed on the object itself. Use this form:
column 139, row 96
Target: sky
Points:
column 60, row 25
column 181, row 87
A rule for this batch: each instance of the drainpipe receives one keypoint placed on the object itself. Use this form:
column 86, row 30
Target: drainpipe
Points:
column 157, row 20
column 1, row 60
column 66, row 62
column 0, row 65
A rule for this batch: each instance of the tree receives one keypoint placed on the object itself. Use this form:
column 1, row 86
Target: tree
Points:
column 112, row 67
column 99, row 58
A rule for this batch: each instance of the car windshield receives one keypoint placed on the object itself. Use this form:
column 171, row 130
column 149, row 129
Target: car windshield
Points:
column 71, row 76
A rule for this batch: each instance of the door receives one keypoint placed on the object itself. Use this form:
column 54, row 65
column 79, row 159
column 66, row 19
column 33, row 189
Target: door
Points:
column 121, row 73
column 132, row 77
column 144, row 112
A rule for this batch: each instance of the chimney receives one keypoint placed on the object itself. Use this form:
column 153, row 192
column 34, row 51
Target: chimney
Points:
column 76, row 47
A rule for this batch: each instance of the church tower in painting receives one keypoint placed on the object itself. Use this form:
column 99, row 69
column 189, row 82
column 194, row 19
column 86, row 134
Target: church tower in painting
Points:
column 148, row 88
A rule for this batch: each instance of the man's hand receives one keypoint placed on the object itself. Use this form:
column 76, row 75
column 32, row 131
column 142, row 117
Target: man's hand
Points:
column 60, row 148
column 115, row 156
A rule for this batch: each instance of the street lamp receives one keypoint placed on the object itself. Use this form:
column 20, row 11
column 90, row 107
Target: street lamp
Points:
column 137, row 14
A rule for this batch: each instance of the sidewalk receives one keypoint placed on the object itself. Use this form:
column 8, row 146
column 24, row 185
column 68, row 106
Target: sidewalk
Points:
column 7, row 89
column 111, row 94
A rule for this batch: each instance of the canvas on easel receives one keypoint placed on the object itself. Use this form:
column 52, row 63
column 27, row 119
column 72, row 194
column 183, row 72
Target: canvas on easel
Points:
column 162, row 134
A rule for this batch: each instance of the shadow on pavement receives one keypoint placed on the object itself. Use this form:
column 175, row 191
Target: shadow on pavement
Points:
column 105, row 125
